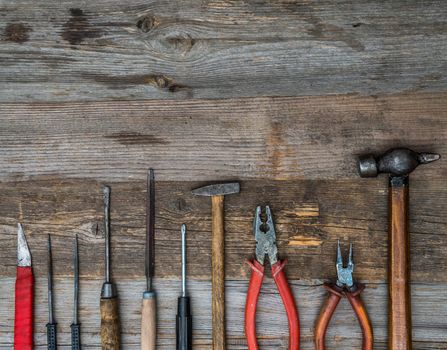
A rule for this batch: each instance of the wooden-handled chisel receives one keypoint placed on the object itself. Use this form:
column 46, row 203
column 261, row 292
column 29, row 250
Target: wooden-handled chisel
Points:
column 149, row 304
column 24, row 294
column 110, row 323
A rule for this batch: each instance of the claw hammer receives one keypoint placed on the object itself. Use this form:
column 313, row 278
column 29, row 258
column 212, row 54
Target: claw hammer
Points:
column 398, row 163
column 217, row 193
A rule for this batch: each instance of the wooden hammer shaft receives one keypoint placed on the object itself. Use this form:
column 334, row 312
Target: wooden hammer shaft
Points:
column 218, row 272
column 399, row 318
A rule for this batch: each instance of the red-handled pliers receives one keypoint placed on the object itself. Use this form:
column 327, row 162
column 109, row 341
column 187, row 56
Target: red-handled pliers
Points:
column 266, row 245
column 23, row 321
column 345, row 286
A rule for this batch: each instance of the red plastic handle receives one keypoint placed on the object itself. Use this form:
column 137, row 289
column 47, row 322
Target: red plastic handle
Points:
column 289, row 304
column 328, row 309
column 23, row 322
column 362, row 316
column 254, row 288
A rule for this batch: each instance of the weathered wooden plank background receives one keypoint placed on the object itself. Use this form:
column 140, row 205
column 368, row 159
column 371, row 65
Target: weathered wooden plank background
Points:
column 281, row 95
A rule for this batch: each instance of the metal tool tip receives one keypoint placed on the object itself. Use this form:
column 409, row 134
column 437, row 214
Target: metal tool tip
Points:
column 23, row 253
column 339, row 257
column 183, row 229
column 106, row 190
column 425, row 158
column 151, row 174
column 351, row 261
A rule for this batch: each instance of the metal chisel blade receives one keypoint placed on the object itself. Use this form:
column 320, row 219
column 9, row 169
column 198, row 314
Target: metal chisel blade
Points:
column 150, row 229
column 23, row 253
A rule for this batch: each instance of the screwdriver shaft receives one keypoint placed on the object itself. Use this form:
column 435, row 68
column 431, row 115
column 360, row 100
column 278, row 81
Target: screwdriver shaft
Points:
column 183, row 230
column 50, row 282
column 51, row 325
column 75, row 326
column 106, row 192
column 184, row 317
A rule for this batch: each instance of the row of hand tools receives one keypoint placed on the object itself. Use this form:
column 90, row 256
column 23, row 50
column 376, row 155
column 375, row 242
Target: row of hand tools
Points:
column 398, row 163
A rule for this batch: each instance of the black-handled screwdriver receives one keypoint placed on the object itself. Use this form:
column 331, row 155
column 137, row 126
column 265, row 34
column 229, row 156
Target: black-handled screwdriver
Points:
column 184, row 317
column 51, row 325
column 75, row 326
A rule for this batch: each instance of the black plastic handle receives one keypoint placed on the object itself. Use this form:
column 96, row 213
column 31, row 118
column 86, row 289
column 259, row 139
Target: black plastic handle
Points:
column 184, row 324
column 51, row 336
column 75, row 336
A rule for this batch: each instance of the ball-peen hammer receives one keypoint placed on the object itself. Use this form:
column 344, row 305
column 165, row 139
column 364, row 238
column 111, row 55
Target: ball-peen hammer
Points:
column 398, row 163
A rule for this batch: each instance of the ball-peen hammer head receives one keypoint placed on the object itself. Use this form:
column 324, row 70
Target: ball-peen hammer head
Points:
column 217, row 189
column 396, row 162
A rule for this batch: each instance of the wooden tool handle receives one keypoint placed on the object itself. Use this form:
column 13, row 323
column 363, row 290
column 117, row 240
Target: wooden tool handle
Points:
column 399, row 267
column 148, row 322
column 110, row 325
column 218, row 273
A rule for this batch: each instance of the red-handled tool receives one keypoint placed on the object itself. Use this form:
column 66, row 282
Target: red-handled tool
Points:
column 23, row 321
column 345, row 286
column 266, row 245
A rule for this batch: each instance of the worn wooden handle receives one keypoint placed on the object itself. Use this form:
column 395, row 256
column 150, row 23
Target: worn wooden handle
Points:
column 399, row 268
column 148, row 322
column 218, row 273
column 110, row 325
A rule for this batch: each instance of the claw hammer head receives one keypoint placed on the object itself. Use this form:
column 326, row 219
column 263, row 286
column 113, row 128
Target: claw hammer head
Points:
column 217, row 189
column 396, row 162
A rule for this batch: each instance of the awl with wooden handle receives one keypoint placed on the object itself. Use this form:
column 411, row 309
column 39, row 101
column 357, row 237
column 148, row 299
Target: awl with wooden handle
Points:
column 110, row 323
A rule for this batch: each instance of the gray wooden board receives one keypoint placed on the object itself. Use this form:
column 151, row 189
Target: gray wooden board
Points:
column 297, row 154
column 203, row 140
column 310, row 216
column 110, row 49
column 429, row 314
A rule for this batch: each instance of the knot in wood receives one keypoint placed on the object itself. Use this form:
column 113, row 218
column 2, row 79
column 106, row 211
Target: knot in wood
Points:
column 146, row 23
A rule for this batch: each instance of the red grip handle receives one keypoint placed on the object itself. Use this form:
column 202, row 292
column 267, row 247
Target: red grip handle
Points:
column 289, row 304
column 23, row 322
column 328, row 309
column 362, row 316
column 254, row 288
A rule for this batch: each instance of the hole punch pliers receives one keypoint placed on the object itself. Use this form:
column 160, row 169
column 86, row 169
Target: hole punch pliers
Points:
column 266, row 245
column 344, row 287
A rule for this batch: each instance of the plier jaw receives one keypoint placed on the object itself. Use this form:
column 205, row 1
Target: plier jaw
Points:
column 265, row 236
column 266, row 245
column 344, row 274
column 344, row 287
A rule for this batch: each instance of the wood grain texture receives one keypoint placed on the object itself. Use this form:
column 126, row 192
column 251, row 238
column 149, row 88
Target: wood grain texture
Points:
column 273, row 138
column 109, row 49
column 399, row 319
column 149, row 323
column 63, row 208
column 218, row 271
column 110, row 324
column 344, row 332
